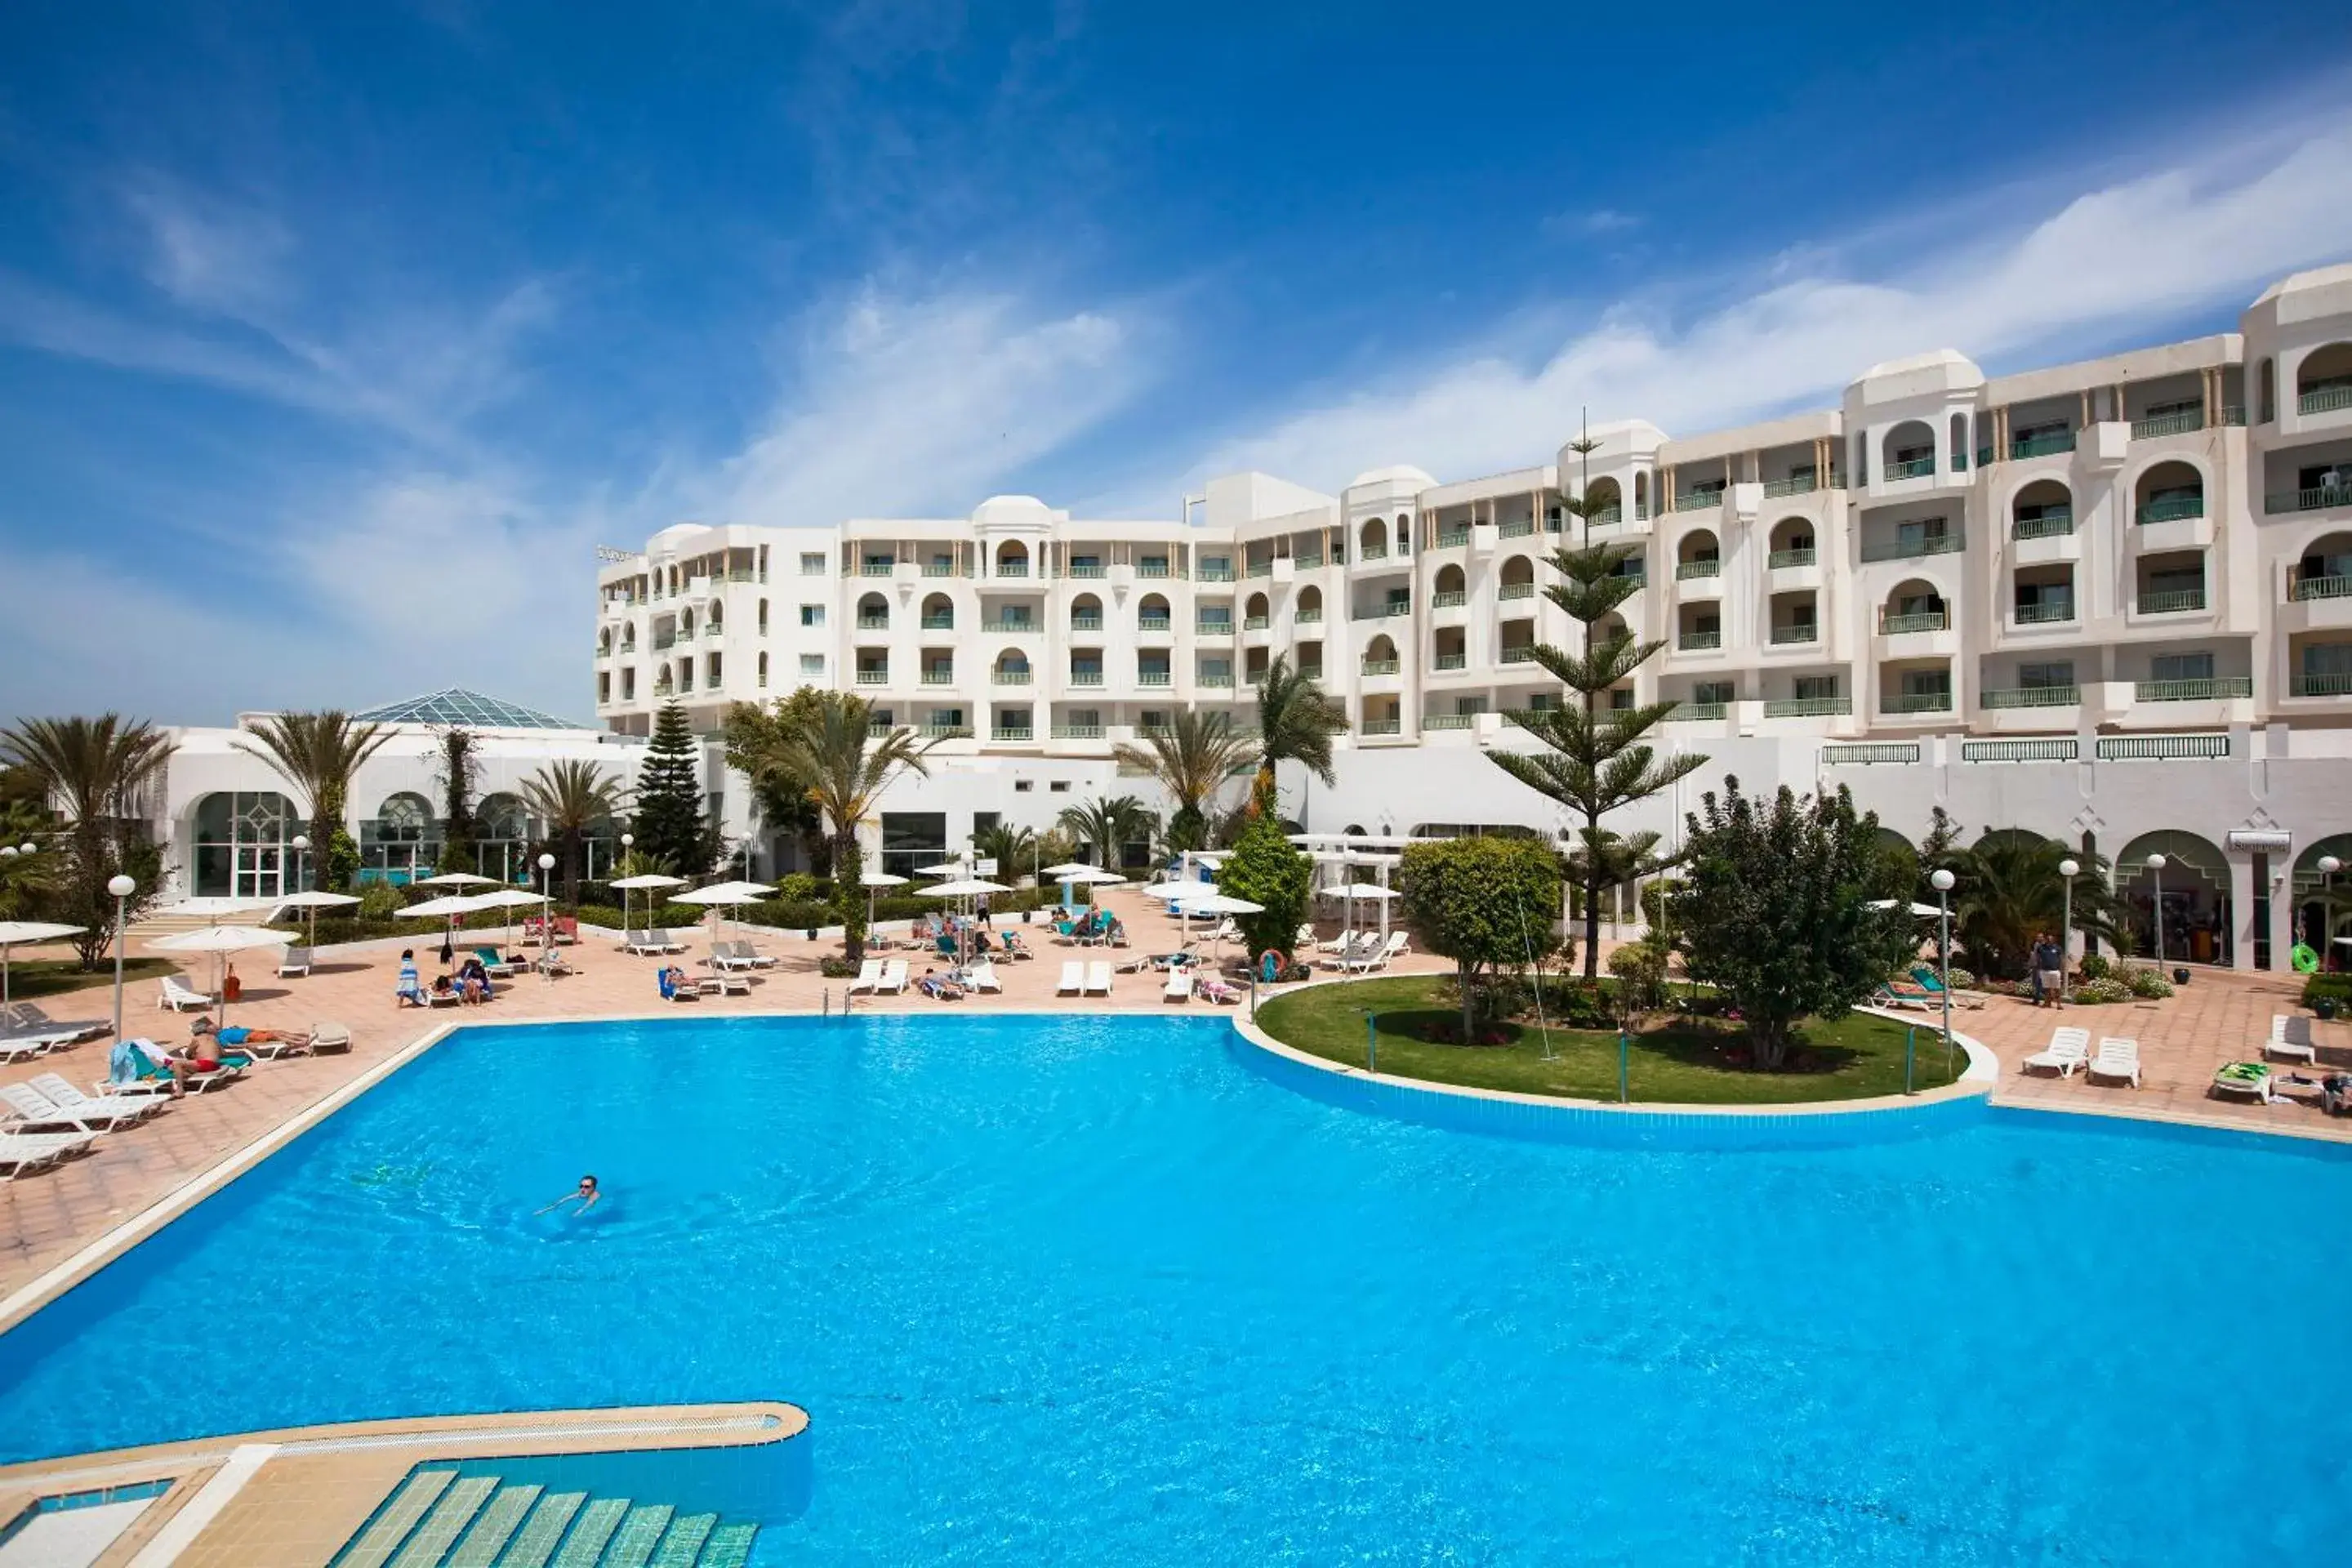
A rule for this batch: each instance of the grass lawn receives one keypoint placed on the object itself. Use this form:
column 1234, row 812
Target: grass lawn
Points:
column 29, row 979
column 1674, row 1060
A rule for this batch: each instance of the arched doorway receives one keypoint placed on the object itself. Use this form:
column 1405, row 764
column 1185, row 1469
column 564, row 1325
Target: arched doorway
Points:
column 2198, row 918
column 2323, row 903
column 502, row 838
column 243, row 844
column 400, row 841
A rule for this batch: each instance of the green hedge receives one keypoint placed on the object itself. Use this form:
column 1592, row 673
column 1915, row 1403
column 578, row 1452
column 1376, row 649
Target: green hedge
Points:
column 2336, row 987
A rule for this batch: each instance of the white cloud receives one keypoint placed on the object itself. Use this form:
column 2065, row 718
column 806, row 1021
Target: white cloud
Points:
column 2143, row 250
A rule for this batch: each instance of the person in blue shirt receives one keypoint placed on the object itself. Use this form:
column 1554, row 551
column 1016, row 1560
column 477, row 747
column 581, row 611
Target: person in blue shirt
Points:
column 411, row 987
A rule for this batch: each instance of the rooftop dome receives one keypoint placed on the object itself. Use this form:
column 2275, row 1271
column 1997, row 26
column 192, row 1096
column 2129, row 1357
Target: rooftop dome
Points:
column 675, row 534
column 457, row 706
column 1012, row 511
column 1934, row 360
column 1395, row 474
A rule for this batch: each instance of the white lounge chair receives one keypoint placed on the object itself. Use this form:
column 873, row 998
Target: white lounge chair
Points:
column 25, row 1048
column 1074, row 979
column 1098, row 978
column 437, row 997
column 2250, row 1079
column 1178, row 987
column 37, row 1112
column 21, row 1153
column 2068, row 1050
column 31, row 1020
column 647, row 943
column 1339, row 944
column 2291, row 1038
column 294, row 960
column 894, row 976
column 1377, row 955
column 63, row 1094
column 179, row 998
column 728, row 983
column 979, row 974
column 2117, row 1059
column 869, row 976
column 684, row 990
column 330, row 1038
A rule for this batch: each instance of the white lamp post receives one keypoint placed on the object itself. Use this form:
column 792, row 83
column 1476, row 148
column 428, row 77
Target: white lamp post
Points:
column 2156, row 866
column 121, row 887
column 627, row 840
column 1942, row 882
column 302, row 846
column 2328, row 865
column 546, row 903
column 2068, row 868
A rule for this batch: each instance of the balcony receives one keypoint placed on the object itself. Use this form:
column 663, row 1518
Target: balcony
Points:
column 1011, row 678
column 1783, row 637
column 1517, row 591
column 1916, row 702
column 1220, row 627
column 2299, row 589
column 1806, row 556
column 874, row 677
column 1609, row 516
column 865, row 624
column 2173, row 509
column 1373, row 552
column 1085, row 573
column 1215, row 571
column 2049, row 525
column 1698, row 642
column 1924, row 621
column 941, row 569
column 1077, row 731
column 1710, row 566
column 2321, row 499
column 1381, row 727
column 1519, row 527
column 1912, row 468
column 2171, row 604
column 1453, row 537
column 1795, row 485
column 1009, row 628
column 1808, row 707
column 1085, row 623
column 2311, row 684
column 1524, row 653
column 1011, row 569
column 1154, row 678
column 2210, row 689
column 1153, row 622
column 2046, row 612
column 2032, row 697
column 1257, row 623
column 2324, row 400
column 1258, row 569
column 1449, row 600
column 944, row 732
column 1697, row 500
column 1448, row 720
column 1382, row 665
column 1917, row 549
column 1151, row 569
column 1085, row 677
column 1309, row 562
column 937, row 677
column 1309, row 617
column 1447, row 661
column 2179, row 423
column 1700, row 712
column 938, row 623
column 1013, row 733
column 2048, row 446
column 662, row 645
column 1384, row 612
column 1215, row 681
column 1311, row 672
column 878, row 568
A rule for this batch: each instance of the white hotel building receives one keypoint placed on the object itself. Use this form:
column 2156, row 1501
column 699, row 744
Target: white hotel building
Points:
column 2111, row 602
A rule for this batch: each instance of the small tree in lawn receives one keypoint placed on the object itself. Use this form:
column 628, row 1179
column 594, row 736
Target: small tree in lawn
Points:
column 1486, row 903
column 669, row 821
column 1266, row 869
column 1774, row 910
column 1594, row 760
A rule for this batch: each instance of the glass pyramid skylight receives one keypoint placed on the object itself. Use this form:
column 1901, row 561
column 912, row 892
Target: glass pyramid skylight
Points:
column 457, row 706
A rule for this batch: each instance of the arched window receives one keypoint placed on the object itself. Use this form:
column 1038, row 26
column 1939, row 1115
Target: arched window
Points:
column 1380, row 655
column 1085, row 613
column 763, row 618
column 1915, row 605
column 2323, row 381
column 1642, row 494
column 1960, row 442
column 939, row 612
column 244, row 845
column 400, row 841
column 2169, row 492
column 1453, row 588
column 717, row 617
column 502, row 838
column 1152, row 615
column 1310, row 603
column 763, row 670
column 1372, row 540
column 2042, row 510
column 2268, row 391
column 1404, row 536
column 1518, row 577
column 1604, row 495
column 1258, row 612
column 1012, row 559
column 874, row 614
column 1909, row 450
column 1699, row 548
column 1792, row 543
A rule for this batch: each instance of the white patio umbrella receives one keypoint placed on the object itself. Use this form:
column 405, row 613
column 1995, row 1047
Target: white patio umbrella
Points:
column 507, row 899
column 1372, row 892
column 1217, row 905
column 872, row 880
column 944, row 868
column 1930, row 910
column 649, row 881
column 456, row 879
column 722, row 895
column 315, row 899
column 220, row 941
column 968, row 888
column 11, row 933
column 445, row 909
column 1067, row 869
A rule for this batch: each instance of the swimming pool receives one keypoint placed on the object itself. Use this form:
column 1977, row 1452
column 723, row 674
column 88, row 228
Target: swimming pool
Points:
column 1094, row 1289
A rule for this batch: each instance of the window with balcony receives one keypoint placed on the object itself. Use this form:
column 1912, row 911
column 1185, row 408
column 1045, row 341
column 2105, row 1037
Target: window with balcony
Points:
column 939, row 564
column 2043, row 440
column 2043, row 510
column 1151, row 566
column 1014, row 618
column 2044, row 597
column 1216, row 672
column 1700, row 555
column 2324, row 572
column 2170, row 492
column 1012, row 559
column 873, row 670
column 1087, row 667
column 2171, row 588
column 1920, row 691
column 1216, row 568
column 2324, row 669
column 2041, row 683
column 938, row 614
column 1793, row 621
column 1154, row 614
column 2174, row 416
column 1792, row 544
column 878, row 564
column 1085, row 613
column 1012, row 669
column 1215, row 620
column 1699, row 633
column 1152, row 669
column 1913, row 607
column 1086, row 566
column 1014, row 724
column 2323, row 382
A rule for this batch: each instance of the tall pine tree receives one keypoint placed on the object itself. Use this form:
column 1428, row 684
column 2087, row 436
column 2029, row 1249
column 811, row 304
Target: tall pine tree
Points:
column 671, row 827
column 1594, row 759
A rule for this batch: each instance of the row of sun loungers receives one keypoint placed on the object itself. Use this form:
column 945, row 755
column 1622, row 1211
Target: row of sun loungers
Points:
column 1082, row 977
column 650, row 941
column 2116, row 1058
column 30, row 1033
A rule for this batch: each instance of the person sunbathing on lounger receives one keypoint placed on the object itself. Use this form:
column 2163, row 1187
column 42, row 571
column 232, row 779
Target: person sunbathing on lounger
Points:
column 939, row 987
column 238, row 1034
column 586, row 1194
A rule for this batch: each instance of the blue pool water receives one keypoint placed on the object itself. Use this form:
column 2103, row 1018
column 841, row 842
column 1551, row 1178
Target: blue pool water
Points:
column 1097, row 1290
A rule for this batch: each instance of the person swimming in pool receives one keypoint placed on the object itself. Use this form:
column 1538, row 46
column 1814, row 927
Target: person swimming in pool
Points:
column 585, row 1195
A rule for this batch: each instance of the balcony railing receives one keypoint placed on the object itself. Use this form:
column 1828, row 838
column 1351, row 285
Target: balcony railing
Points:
column 1215, row 571
column 1154, row 623
column 2032, row 697
column 1698, row 642
column 1701, row 712
column 865, row 624
column 1806, row 556
column 1808, row 707
column 1085, row 677
column 2324, row 400
column 944, row 732
column 1085, row 570
column 1609, row 516
column 1382, row 727
column 2320, row 499
column 873, row 678
column 2172, row 603
column 2179, row 423
column 1012, row 677
column 2049, row 525
column 1795, row 485
column 1011, row 569
column 1217, row 682
column 2173, row 509
column 1309, row 562
column 1373, row 552
column 941, row 568
column 1449, row 599
column 662, row 644
column 1257, row 623
column 1447, row 721
column 1911, row 468
column 1916, row 702
column 1207, row 627
column 1899, row 548
column 2205, row 690
column 2299, row 589
column 876, row 568
column 1383, row 611
column 2316, row 684
column 1014, row 732
column 1782, row 635
column 1921, row 621
column 1449, row 661
column 1381, row 665
column 1521, row 654
column 1310, row 671
column 1077, row 731
column 1085, row 623
column 1258, row 569
column 1012, row 628
column 1517, row 591
column 1154, row 678
column 1453, row 537
column 1518, row 527
column 2234, row 414
column 2044, row 612
column 1308, row 618
column 1698, row 500
column 1150, row 569
column 1707, row 566
column 938, row 677
column 2046, row 446
column 938, row 623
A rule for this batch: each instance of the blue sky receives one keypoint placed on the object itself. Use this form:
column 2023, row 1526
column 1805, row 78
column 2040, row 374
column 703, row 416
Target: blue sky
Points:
column 333, row 338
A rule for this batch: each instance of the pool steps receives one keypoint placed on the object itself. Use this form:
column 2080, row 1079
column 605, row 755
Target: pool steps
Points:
column 438, row 1520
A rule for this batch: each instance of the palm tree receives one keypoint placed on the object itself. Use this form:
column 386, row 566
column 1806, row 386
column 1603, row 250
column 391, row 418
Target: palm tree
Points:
column 2010, row 889
column 94, row 772
column 319, row 754
column 837, row 760
column 1105, row 827
column 571, row 797
column 1015, row 849
column 1191, row 758
column 1296, row 721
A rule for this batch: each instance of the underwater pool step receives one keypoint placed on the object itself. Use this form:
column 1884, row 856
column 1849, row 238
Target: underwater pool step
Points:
column 730, row 1547
column 598, row 1521
column 494, row 1527
column 544, row 1530
column 682, row 1547
column 640, row 1532
column 385, row 1532
column 432, row 1540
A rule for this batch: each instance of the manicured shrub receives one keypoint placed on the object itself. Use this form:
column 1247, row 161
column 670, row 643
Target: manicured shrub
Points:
column 2149, row 986
column 2336, row 988
column 2104, row 989
column 2095, row 966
